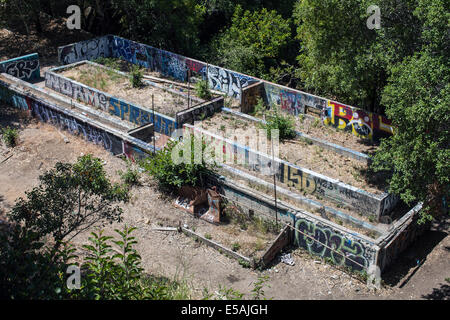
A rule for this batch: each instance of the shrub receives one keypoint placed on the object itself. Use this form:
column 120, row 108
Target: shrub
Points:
column 10, row 136
column 131, row 176
column 284, row 123
column 202, row 89
column 136, row 76
column 235, row 246
column 208, row 236
column 171, row 175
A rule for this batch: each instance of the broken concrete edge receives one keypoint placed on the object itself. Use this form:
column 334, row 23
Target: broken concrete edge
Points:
column 296, row 197
column 283, row 239
column 335, row 190
column 123, row 136
column 111, row 108
column 325, row 144
column 252, row 263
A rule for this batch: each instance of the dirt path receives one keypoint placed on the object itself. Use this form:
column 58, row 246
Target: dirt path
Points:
column 174, row 255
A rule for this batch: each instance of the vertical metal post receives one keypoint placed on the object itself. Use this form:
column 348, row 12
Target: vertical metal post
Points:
column 189, row 87
column 154, row 126
column 274, row 181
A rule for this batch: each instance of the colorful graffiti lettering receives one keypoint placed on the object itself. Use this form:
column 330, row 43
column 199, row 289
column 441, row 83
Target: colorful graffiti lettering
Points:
column 84, row 50
column 26, row 68
column 139, row 116
column 227, row 81
column 83, row 93
column 319, row 239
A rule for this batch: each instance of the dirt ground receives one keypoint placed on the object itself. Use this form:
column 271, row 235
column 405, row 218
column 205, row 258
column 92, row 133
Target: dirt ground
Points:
column 119, row 86
column 315, row 128
column 177, row 256
column 299, row 152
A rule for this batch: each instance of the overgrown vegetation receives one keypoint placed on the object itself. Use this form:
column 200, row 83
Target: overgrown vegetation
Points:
column 10, row 136
column 278, row 120
column 177, row 164
column 202, row 90
column 136, row 77
column 131, row 176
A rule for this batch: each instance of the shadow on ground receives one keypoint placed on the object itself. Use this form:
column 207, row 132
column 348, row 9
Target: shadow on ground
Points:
column 414, row 257
column 441, row 293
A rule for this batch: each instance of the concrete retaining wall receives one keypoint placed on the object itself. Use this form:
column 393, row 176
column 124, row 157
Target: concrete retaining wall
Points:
column 361, row 123
column 111, row 139
column 115, row 106
column 200, row 111
column 25, row 68
column 302, row 179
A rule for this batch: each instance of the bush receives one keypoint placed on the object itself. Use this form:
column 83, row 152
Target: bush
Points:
column 235, row 246
column 284, row 123
column 136, row 76
column 10, row 136
column 171, row 175
column 202, row 89
column 131, row 176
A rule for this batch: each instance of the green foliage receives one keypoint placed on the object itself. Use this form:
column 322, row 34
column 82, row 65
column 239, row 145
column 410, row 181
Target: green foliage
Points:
column 244, row 263
column 418, row 96
column 185, row 170
column 34, row 249
column 111, row 273
column 136, row 76
column 169, row 24
column 10, row 136
column 208, row 236
column 202, row 90
column 284, row 123
column 131, row 176
column 258, row 289
column 253, row 42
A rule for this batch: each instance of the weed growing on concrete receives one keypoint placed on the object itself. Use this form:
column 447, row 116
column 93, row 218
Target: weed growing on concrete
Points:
column 235, row 246
column 136, row 76
column 10, row 136
column 284, row 123
column 202, row 90
column 208, row 236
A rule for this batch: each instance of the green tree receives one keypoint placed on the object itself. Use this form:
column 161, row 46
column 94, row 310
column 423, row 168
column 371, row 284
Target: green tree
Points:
column 34, row 249
column 343, row 59
column 417, row 99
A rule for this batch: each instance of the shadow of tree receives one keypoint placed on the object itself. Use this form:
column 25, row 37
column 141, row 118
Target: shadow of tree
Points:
column 441, row 293
column 412, row 258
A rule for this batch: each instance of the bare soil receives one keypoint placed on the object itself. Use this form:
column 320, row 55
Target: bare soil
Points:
column 176, row 256
column 299, row 152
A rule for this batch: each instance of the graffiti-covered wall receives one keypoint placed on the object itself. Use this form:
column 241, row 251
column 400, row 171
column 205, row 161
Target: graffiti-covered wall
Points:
column 114, row 106
column 319, row 238
column 302, row 179
column 84, row 50
column 26, row 68
column 200, row 111
column 363, row 124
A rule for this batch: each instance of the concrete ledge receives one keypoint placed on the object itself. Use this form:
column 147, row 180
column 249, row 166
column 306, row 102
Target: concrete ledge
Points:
column 325, row 144
column 217, row 246
column 116, row 107
column 25, row 68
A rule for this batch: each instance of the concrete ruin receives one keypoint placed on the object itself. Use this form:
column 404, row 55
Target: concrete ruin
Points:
column 125, row 128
